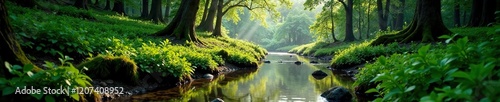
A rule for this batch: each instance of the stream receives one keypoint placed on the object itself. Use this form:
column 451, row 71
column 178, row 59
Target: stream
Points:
column 280, row 80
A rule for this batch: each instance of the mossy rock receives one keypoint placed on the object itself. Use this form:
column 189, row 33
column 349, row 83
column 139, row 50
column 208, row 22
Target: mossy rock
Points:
column 111, row 67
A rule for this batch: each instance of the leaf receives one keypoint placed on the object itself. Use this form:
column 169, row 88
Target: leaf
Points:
column 75, row 96
column 3, row 81
column 410, row 88
column 27, row 67
column 38, row 48
column 8, row 90
column 461, row 74
column 49, row 98
column 372, row 90
column 423, row 50
column 37, row 96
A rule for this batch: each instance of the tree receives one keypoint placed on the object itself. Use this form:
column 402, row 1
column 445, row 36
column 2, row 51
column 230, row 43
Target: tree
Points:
column 482, row 13
column 81, row 4
column 426, row 26
column 257, row 8
column 183, row 24
column 11, row 50
column 383, row 16
column 96, row 3
column 456, row 14
column 108, row 5
column 155, row 14
column 205, row 10
column 167, row 11
column 328, row 14
column 349, row 35
column 145, row 9
column 119, row 7
column 208, row 23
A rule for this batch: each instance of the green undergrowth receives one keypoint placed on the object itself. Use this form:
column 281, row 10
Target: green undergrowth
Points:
column 319, row 48
column 361, row 53
column 464, row 69
column 82, row 33
column 55, row 76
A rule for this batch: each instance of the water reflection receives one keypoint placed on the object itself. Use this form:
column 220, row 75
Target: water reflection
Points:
column 271, row 82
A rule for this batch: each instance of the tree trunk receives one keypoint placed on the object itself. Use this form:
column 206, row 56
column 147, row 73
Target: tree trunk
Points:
column 349, row 36
column 368, row 20
column 399, row 21
column 383, row 16
column 456, row 14
column 145, row 9
column 482, row 13
column 183, row 24
column 156, row 14
column 426, row 26
column 205, row 10
column 11, row 50
column 333, row 24
column 81, row 4
column 119, row 7
column 26, row 3
column 218, row 22
column 208, row 23
column 359, row 23
column 167, row 11
column 108, row 5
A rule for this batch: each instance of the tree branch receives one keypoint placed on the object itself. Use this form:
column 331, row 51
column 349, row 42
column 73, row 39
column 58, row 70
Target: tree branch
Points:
column 343, row 3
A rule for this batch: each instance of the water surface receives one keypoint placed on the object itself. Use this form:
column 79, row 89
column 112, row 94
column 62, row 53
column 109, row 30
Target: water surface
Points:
column 272, row 82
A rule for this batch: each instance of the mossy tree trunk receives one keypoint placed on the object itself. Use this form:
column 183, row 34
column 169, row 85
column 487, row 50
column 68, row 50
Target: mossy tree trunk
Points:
column 81, row 4
column 183, row 24
column 426, row 26
column 119, row 7
column 155, row 14
column 145, row 9
column 399, row 21
column 208, row 23
column 483, row 13
column 11, row 50
column 205, row 10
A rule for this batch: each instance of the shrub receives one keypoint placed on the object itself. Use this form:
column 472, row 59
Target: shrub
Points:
column 463, row 71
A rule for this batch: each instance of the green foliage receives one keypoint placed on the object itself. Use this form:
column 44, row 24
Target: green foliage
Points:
column 119, row 68
column 461, row 71
column 363, row 52
column 64, row 75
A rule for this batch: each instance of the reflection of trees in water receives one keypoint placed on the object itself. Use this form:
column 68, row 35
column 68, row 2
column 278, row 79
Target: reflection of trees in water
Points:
column 273, row 82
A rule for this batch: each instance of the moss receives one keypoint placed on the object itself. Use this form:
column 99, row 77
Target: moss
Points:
column 111, row 67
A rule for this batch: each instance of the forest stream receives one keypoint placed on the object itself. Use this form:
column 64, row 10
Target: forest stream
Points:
column 280, row 80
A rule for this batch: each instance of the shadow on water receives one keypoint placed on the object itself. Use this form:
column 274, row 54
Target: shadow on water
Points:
column 273, row 81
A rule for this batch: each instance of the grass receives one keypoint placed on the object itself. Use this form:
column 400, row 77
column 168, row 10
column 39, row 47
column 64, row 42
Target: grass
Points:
column 83, row 33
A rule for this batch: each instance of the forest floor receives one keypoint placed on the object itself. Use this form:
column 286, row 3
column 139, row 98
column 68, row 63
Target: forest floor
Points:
column 116, row 50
